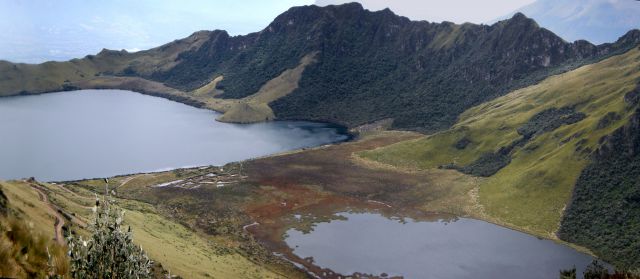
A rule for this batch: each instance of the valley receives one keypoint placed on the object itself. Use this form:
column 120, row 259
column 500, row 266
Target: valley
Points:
column 245, row 208
column 498, row 146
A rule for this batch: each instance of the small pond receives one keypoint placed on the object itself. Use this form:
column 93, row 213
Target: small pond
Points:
column 369, row 243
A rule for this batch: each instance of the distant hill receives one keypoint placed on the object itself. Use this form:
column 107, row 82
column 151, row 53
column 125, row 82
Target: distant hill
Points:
column 366, row 66
column 598, row 21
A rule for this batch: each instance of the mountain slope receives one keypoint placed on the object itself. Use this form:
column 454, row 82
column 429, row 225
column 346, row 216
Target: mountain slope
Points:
column 56, row 76
column 532, row 146
column 369, row 65
column 376, row 65
column 605, row 210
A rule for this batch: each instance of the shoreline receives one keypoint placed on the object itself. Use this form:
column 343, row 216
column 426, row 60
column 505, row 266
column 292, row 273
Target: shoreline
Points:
column 352, row 138
column 192, row 102
column 340, row 130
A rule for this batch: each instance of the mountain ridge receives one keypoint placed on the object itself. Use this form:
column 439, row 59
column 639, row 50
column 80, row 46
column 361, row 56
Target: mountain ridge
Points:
column 370, row 65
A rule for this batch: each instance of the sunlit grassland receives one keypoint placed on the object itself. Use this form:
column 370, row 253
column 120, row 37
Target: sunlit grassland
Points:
column 177, row 248
column 180, row 250
column 27, row 247
column 25, row 200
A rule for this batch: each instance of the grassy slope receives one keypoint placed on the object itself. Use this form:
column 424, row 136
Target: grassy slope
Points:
column 32, row 222
column 532, row 191
column 44, row 77
column 25, row 200
column 186, row 253
column 255, row 108
column 180, row 250
column 50, row 76
column 97, row 72
column 209, row 89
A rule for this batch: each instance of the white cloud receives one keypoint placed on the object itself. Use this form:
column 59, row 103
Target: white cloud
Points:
column 458, row 11
column 87, row 27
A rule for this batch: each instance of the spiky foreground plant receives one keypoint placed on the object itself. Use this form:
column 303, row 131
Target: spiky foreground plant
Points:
column 110, row 251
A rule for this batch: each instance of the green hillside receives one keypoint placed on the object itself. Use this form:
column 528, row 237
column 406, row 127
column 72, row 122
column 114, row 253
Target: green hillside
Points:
column 26, row 227
column 605, row 210
column 19, row 78
column 540, row 157
column 176, row 248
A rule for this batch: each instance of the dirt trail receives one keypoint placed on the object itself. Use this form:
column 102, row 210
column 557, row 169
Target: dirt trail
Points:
column 126, row 180
column 78, row 220
column 53, row 211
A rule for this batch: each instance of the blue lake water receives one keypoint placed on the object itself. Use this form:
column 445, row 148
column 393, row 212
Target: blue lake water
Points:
column 369, row 243
column 98, row 133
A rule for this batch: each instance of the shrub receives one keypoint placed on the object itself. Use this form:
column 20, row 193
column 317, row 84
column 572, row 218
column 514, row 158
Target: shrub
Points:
column 110, row 251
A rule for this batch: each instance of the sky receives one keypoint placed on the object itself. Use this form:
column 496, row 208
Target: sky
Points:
column 598, row 21
column 34, row 31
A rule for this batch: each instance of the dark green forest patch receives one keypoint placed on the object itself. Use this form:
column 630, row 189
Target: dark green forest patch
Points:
column 604, row 214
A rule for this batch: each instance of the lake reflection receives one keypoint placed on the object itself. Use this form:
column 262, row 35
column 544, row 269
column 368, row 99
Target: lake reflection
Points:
column 98, row 133
column 371, row 244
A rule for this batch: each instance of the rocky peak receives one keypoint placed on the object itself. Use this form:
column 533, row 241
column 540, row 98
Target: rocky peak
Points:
column 520, row 21
column 631, row 37
column 519, row 16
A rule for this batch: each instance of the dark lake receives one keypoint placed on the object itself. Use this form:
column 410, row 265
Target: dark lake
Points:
column 370, row 243
column 98, row 133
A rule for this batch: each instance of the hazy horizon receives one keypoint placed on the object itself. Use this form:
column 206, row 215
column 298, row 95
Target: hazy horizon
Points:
column 38, row 31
